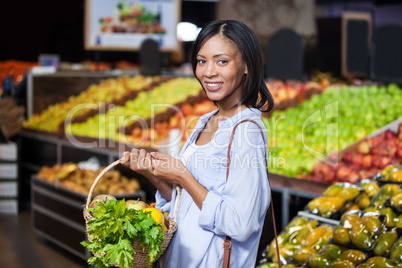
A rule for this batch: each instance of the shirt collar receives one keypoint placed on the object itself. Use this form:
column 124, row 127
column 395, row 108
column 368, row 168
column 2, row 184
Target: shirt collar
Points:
column 246, row 113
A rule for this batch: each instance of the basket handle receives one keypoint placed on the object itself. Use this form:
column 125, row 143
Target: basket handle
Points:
column 106, row 169
column 112, row 165
column 176, row 207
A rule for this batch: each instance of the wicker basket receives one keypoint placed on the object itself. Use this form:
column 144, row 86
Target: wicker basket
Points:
column 141, row 256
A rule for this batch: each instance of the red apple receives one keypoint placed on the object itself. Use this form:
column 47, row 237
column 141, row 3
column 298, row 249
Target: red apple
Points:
column 357, row 159
column 330, row 176
column 353, row 177
column 381, row 137
column 389, row 134
column 367, row 161
column 347, row 157
column 392, row 151
column 374, row 151
column 374, row 141
column 392, row 142
column 385, row 161
column 383, row 151
column 376, row 161
column 342, row 173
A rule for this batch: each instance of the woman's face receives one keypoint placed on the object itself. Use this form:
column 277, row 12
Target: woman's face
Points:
column 220, row 68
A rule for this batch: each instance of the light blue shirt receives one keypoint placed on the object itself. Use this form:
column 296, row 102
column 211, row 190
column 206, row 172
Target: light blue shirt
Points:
column 235, row 208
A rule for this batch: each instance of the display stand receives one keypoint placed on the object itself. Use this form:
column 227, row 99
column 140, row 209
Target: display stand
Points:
column 8, row 178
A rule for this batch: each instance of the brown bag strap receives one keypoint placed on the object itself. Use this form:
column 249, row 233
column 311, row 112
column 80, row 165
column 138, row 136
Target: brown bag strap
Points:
column 227, row 244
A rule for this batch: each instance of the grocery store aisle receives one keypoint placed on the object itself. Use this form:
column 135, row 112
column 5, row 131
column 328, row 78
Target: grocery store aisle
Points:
column 21, row 247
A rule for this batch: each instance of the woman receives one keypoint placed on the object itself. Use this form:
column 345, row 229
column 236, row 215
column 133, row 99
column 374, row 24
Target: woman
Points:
column 226, row 60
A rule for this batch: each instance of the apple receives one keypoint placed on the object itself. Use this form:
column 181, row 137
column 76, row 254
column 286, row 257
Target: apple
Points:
column 353, row 177
column 385, row 161
column 374, row 150
column 392, row 151
column 357, row 159
column 342, row 173
column 103, row 198
column 367, row 161
column 389, row 134
column 347, row 157
column 374, row 142
column 136, row 204
column 363, row 147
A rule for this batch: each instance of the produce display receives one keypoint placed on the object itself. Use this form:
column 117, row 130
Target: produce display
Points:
column 333, row 200
column 15, row 68
column 301, row 238
column 366, row 231
column 70, row 176
column 146, row 105
column 291, row 93
column 301, row 136
column 186, row 115
column 91, row 100
column 116, row 225
column 364, row 160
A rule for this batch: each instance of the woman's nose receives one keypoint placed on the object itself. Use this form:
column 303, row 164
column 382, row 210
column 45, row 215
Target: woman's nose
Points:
column 210, row 70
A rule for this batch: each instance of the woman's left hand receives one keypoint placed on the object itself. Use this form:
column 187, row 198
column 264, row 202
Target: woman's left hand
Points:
column 166, row 167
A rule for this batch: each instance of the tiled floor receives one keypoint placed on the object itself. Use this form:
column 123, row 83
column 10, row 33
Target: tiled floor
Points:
column 21, row 247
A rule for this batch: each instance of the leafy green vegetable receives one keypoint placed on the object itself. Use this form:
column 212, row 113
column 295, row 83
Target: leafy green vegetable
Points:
column 112, row 233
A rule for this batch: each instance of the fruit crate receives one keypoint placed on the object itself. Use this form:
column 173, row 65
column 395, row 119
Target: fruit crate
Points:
column 57, row 215
column 363, row 159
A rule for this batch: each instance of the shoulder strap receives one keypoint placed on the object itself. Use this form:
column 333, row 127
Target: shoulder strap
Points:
column 227, row 244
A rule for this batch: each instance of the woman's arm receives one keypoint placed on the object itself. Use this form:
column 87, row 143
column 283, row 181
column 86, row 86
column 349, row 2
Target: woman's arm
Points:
column 171, row 170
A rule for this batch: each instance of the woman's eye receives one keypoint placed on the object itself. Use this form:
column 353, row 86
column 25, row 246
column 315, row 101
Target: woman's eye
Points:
column 222, row 61
column 201, row 61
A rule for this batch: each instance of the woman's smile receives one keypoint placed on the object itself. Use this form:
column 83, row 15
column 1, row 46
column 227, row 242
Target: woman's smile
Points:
column 213, row 86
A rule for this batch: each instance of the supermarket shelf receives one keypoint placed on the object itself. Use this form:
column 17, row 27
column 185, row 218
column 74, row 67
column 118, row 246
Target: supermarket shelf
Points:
column 319, row 218
column 288, row 187
column 57, row 215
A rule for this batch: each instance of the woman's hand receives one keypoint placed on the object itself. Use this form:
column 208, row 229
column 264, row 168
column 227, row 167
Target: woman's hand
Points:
column 139, row 161
column 168, row 168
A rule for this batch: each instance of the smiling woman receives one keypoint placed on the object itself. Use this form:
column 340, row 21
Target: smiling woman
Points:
column 216, row 205
column 221, row 71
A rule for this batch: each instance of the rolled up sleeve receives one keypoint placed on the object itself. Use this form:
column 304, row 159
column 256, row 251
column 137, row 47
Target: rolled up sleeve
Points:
column 162, row 203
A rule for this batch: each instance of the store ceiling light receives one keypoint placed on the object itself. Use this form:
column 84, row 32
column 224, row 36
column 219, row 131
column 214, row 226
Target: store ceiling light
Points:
column 187, row 31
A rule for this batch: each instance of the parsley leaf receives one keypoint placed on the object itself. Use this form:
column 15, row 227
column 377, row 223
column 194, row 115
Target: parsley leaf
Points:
column 112, row 234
